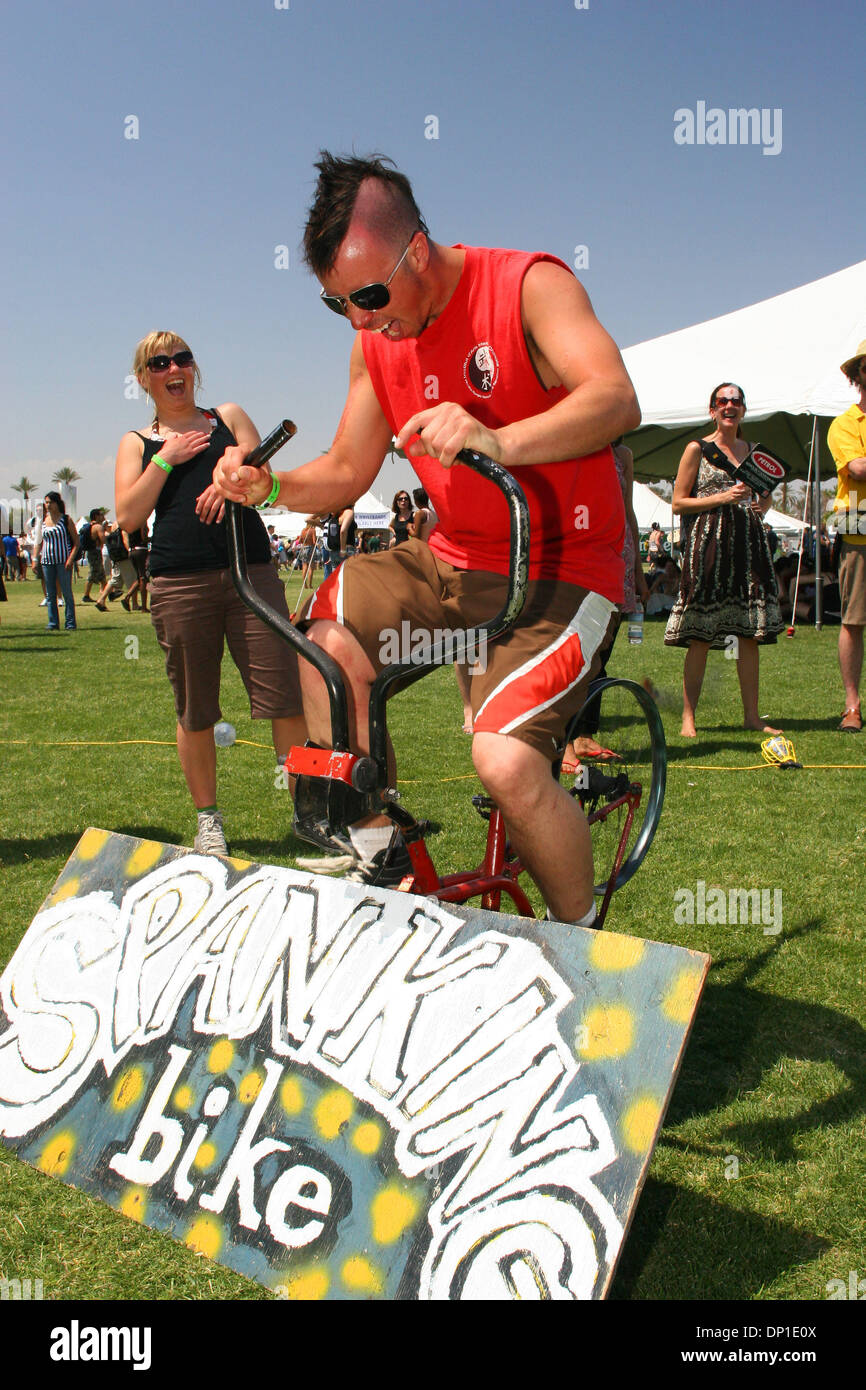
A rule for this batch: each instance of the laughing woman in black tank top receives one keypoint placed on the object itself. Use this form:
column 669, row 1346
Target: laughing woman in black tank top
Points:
column 195, row 608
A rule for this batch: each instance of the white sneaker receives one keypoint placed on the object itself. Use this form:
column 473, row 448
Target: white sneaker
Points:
column 60, row 603
column 44, row 603
column 210, row 838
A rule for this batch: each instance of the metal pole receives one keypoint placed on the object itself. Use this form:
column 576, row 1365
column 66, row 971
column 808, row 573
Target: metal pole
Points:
column 819, row 595
column 808, row 510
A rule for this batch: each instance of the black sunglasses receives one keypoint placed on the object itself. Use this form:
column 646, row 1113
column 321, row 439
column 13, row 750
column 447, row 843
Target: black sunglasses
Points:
column 162, row 361
column 728, row 400
column 368, row 297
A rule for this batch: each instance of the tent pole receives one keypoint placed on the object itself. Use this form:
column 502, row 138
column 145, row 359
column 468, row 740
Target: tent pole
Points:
column 819, row 595
column 807, row 508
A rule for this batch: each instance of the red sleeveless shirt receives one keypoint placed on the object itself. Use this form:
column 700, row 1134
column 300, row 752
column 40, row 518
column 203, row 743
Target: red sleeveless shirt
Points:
column 475, row 354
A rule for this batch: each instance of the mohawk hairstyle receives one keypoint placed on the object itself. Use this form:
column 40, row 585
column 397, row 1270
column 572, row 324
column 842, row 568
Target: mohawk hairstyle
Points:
column 340, row 179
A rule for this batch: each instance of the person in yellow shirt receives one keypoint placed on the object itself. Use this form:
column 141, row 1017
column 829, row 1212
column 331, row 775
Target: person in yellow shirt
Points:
column 847, row 441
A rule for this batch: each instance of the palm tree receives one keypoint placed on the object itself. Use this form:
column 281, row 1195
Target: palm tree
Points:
column 66, row 475
column 25, row 486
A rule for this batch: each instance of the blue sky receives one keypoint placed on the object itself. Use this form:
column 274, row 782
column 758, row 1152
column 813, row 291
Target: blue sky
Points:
column 555, row 130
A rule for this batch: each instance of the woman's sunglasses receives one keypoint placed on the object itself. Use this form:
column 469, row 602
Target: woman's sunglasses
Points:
column 162, row 361
column 368, row 297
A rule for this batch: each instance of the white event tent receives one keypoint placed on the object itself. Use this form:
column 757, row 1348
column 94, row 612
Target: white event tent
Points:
column 370, row 515
column 785, row 354
column 648, row 508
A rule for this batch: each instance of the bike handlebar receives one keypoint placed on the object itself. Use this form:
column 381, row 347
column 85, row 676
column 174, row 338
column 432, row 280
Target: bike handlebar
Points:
column 400, row 671
column 407, row 672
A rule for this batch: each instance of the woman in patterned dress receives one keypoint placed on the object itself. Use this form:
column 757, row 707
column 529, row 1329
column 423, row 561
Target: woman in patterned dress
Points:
column 728, row 593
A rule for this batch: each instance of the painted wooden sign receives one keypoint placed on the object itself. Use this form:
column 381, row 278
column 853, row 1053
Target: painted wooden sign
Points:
column 339, row 1091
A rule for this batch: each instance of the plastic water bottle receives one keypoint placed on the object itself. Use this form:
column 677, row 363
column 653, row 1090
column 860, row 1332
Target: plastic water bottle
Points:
column 224, row 734
column 635, row 627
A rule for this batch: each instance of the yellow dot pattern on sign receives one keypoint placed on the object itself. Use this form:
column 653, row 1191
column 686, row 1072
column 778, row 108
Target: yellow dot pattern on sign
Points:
column 56, row 1157
column 332, row 1112
column 612, row 952
column 361, row 1276
column 639, row 1124
column 680, row 999
column 367, row 1138
column 607, row 1031
column 221, row 1056
column 91, row 843
column 250, row 1086
column 149, row 852
column 291, row 1096
column 128, row 1088
column 205, row 1237
column 205, row 1154
column 66, row 890
column 392, row 1211
column 133, row 1203
column 183, row 1098
column 308, row 1285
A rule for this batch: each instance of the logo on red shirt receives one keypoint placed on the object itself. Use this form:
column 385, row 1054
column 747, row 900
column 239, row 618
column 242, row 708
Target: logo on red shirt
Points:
column 481, row 369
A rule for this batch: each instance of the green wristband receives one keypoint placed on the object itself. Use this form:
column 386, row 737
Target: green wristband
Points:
column 161, row 463
column 271, row 497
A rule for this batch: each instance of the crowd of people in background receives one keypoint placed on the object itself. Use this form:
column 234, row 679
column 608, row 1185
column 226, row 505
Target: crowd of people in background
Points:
column 729, row 577
column 114, row 563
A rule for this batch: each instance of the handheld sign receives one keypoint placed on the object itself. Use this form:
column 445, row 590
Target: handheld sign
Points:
column 761, row 470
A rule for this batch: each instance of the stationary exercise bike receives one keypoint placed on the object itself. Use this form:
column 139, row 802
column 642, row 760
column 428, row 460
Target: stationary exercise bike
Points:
column 621, row 790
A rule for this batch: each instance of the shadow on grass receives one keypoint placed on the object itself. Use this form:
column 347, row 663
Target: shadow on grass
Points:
column 705, row 746
column 61, row 846
column 684, row 1246
column 742, row 1034
column 48, row 847
column 9, row 645
column 148, row 832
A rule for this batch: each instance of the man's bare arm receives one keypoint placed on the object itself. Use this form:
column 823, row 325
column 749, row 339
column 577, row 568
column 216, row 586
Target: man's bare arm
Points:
column 569, row 348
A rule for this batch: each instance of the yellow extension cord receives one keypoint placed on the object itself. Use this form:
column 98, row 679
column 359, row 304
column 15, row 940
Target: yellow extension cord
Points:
column 462, row 777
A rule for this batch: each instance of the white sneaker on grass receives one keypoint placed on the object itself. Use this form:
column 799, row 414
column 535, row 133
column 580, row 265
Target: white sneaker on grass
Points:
column 210, row 838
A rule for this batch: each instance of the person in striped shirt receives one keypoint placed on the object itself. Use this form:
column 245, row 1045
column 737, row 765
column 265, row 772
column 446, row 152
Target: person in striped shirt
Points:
column 56, row 539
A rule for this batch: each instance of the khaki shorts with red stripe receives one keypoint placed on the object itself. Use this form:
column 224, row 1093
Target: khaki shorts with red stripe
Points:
column 526, row 684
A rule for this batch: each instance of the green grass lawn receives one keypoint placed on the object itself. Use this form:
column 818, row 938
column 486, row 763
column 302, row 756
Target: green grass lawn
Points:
column 756, row 1187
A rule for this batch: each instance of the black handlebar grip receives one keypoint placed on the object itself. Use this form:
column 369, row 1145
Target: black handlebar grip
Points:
column 271, row 443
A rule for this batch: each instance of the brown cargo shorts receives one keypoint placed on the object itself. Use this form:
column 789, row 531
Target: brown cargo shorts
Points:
column 194, row 615
column 527, row 683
